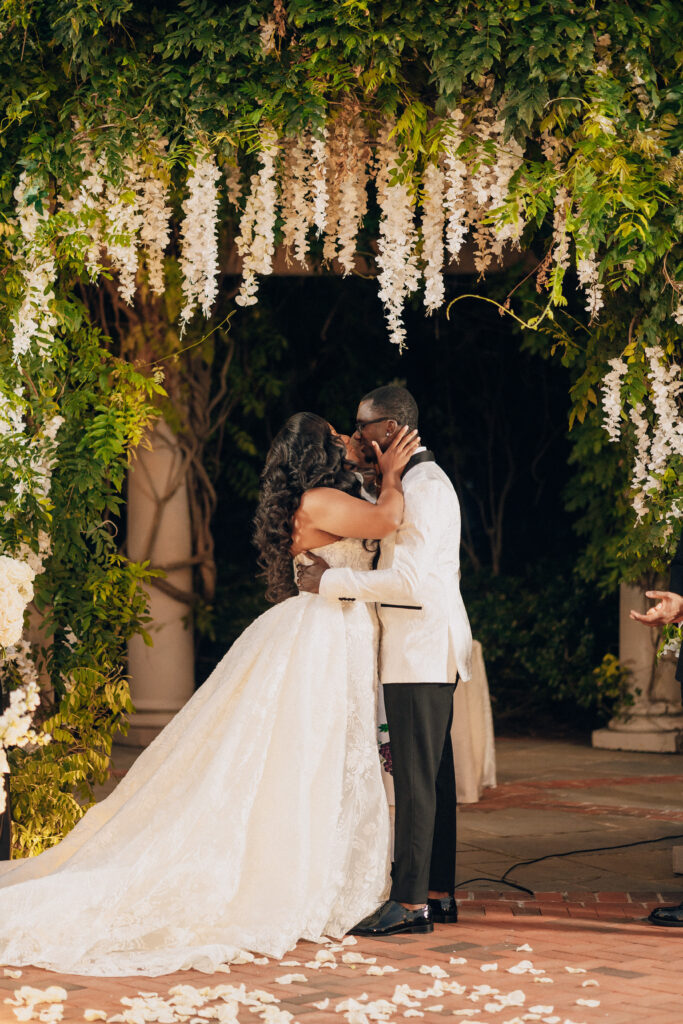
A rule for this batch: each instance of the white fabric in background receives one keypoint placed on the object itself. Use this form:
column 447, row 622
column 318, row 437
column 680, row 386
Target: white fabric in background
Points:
column 256, row 818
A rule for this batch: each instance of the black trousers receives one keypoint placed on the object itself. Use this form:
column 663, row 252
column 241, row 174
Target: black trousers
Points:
column 419, row 716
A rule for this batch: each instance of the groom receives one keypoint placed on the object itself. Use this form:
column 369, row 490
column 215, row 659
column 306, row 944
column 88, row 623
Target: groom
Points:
column 425, row 645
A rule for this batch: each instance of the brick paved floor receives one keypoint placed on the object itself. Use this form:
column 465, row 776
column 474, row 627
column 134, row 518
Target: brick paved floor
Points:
column 556, row 959
column 588, row 915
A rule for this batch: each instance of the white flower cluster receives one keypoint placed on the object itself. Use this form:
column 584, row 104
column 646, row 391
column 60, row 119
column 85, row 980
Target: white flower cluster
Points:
column 319, row 179
column 455, row 201
column 199, row 238
column 12, row 411
column 297, row 208
column 658, row 432
column 123, row 221
column 348, row 155
column 155, row 232
column 34, row 321
column 256, row 240
column 678, row 313
column 120, row 216
column 611, row 398
column 560, row 250
column 399, row 274
column 433, row 221
column 588, row 270
column 16, row 590
column 476, row 194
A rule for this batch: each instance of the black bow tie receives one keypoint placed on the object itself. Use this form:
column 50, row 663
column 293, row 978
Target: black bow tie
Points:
column 418, row 457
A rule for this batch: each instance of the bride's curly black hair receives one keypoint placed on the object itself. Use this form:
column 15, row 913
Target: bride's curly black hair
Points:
column 304, row 454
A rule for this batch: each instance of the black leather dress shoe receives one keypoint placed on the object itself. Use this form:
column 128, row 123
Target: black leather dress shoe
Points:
column 392, row 918
column 670, row 917
column 444, row 910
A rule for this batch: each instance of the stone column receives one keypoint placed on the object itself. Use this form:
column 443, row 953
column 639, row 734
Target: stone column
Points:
column 654, row 723
column 159, row 529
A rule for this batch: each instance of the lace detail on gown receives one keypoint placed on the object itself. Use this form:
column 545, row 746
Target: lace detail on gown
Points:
column 256, row 818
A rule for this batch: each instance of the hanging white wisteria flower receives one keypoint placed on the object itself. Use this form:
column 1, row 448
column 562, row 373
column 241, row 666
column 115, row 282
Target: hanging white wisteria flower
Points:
column 678, row 313
column 319, row 179
column 611, row 398
column 87, row 206
column 123, row 221
column 256, row 240
column 155, row 232
column 482, row 184
column 12, row 409
column 560, row 244
column 199, row 238
column 433, row 220
column 397, row 240
column 34, row 321
column 666, row 384
column 658, row 433
column 296, row 197
column 509, row 158
column 348, row 158
column 588, row 271
column 455, row 175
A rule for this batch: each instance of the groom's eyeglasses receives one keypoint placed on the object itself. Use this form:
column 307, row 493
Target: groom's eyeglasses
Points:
column 360, row 425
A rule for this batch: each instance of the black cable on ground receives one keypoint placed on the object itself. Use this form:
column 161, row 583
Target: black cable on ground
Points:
column 565, row 853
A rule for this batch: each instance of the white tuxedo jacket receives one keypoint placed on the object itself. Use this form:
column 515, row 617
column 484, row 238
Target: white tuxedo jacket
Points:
column 427, row 639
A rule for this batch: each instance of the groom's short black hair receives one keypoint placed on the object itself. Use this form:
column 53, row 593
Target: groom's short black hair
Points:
column 395, row 402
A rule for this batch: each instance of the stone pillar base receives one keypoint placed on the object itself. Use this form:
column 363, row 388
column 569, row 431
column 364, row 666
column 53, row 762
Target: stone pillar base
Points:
column 668, row 741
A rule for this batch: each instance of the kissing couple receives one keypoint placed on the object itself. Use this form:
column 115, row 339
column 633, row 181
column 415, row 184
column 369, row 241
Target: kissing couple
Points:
column 258, row 816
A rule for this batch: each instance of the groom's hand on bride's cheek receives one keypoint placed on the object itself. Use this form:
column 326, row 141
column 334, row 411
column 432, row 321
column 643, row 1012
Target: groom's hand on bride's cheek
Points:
column 308, row 576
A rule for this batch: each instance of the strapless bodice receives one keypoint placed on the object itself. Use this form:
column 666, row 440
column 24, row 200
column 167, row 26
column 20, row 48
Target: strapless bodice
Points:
column 347, row 553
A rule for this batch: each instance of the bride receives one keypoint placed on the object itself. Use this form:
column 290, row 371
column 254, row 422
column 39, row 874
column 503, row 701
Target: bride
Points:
column 257, row 817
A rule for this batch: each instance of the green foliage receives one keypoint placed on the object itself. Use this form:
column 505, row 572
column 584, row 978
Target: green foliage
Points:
column 90, row 596
column 52, row 785
column 541, row 634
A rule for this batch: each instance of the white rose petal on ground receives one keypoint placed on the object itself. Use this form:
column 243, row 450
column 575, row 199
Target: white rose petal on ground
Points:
column 552, row 1020
column 576, row 970
column 289, row 979
column 323, row 956
column 358, row 958
column 94, row 1015
column 587, row 1002
column 457, row 960
column 489, row 967
column 11, row 974
column 525, row 967
column 541, row 1009
column 323, row 1005
column 526, row 948
column 413, row 1013
column 590, row 983
column 261, row 960
column 545, row 981
column 290, row 963
column 349, row 940
column 378, row 971
column 434, row 971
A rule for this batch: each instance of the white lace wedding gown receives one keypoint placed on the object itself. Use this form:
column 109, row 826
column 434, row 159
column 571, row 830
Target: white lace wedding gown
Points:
column 256, row 818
